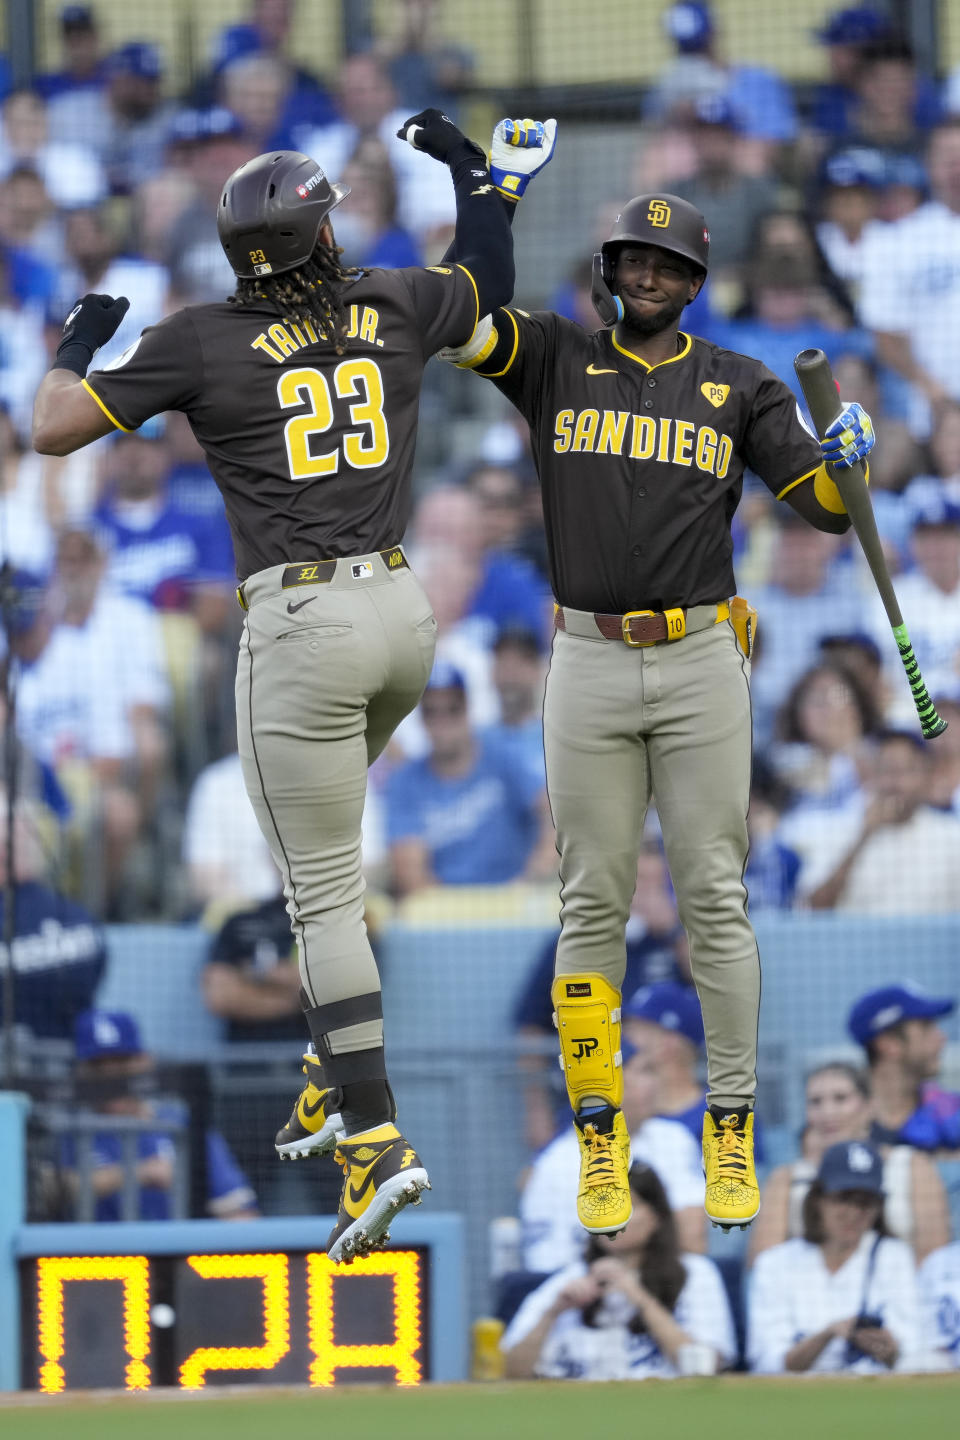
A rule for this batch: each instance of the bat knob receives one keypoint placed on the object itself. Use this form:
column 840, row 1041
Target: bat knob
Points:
column 936, row 727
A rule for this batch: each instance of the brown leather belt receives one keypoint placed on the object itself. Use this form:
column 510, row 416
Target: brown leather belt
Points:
column 639, row 628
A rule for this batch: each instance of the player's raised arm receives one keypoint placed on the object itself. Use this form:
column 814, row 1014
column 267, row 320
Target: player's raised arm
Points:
column 482, row 243
column 519, row 150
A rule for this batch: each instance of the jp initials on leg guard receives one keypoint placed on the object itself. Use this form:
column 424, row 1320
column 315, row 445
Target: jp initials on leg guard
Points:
column 587, row 1017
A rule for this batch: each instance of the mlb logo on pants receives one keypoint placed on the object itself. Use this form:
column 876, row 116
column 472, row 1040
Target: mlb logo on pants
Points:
column 362, row 570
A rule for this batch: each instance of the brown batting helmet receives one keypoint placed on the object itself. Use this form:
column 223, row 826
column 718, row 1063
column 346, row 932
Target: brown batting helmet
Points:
column 656, row 219
column 271, row 210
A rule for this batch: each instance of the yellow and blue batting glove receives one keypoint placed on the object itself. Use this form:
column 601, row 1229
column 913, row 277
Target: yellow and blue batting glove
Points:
column 519, row 151
column 850, row 438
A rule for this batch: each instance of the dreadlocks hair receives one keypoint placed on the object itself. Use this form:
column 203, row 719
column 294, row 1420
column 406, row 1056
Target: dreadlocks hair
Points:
column 310, row 295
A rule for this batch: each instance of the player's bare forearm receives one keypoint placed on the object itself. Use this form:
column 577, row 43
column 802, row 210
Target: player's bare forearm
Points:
column 65, row 415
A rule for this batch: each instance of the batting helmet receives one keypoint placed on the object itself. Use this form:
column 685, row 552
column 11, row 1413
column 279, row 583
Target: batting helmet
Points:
column 663, row 220
column 271, row 210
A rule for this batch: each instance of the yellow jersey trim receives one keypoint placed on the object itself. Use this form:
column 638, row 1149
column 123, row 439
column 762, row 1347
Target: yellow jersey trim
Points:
column 476, row 295
column 495, row 374
column 688, row 343
column 807, row 475
column 112, row 418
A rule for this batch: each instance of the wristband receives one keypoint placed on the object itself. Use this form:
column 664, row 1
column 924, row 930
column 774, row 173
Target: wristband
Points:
column 73, row 355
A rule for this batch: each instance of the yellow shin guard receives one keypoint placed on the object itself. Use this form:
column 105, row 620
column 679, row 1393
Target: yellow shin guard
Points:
column 587, row 1017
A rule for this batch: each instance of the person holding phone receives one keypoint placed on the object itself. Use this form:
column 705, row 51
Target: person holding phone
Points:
column 844, row 1295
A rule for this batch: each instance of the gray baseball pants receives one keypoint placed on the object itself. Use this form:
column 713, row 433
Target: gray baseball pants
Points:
column 325, row 674
column 672, row 722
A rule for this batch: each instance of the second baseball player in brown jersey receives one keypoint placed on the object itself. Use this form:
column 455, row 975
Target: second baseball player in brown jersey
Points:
column 641, row 434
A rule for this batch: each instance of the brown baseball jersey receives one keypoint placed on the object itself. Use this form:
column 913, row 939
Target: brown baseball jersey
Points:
column 311, row 450
column 642, row 467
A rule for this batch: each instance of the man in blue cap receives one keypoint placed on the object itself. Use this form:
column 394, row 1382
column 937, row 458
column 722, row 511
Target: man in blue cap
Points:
column 847, row 35
column 762, row 99
column 897, row 1027
column 115, row 1075
column 470, row 812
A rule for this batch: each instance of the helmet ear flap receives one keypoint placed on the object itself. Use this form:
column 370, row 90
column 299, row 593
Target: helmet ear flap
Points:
column 607, row 305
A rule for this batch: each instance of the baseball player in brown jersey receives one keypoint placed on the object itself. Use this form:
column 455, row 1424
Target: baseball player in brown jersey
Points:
column 641, row 434
column 303, row 390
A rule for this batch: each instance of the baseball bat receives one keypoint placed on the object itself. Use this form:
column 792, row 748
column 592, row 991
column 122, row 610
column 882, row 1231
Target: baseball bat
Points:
column 823, row 402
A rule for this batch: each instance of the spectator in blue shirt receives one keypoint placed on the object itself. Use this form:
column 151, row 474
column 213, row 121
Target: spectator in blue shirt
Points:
column 115, row 1070
column 897, row 1027
column 469, row 812
column 172, row 558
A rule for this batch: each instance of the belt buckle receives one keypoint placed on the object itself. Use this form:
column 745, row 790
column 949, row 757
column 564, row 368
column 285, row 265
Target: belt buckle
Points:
column 625, row 629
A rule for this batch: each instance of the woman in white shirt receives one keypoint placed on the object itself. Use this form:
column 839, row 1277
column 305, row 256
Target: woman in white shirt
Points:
column 844, row 1296
column 633, row 1308
column 838, row 1108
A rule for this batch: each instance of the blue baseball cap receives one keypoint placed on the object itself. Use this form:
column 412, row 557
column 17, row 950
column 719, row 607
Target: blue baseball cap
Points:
column 236, row 42
column 138, row 58
column 716, row 110
column 856, row 26
column 77, row 17
column 106, row 1032
column 671, row 1006
column 855, row 165
column 933, row 511
column 190, row 126
column 851, row 1165
column 881, row 1009
column 689, row 26
column 445, row 676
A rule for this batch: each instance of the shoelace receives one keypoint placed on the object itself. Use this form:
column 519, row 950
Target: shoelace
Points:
column 601, row 1167
column 731, row 1159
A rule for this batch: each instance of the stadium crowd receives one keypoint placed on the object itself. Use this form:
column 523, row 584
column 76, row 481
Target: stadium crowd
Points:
column 835, row 221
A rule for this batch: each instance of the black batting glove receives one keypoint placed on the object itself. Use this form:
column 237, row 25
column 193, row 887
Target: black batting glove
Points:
column 435, row 134
column 91, row 323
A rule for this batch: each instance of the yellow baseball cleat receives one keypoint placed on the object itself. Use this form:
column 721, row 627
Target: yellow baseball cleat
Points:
column 732, row 1196
column 381, row 1175
column 314, row 1126
column 603, row 1200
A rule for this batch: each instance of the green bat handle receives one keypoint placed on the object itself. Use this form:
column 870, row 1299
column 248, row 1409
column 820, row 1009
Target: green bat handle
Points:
column 820, row 390
column 931, row 724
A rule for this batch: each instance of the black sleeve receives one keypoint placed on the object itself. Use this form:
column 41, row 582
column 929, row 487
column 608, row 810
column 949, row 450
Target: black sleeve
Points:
column 482, row 242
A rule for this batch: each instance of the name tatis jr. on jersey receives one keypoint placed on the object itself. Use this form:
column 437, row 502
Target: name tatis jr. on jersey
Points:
column 284, row 339
column 641, row 437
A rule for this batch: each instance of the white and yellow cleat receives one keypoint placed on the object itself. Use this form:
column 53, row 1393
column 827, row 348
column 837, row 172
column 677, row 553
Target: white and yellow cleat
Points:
column 382, row 1175
column 732, row 1195
column 314, row 1126
column 603, row 1199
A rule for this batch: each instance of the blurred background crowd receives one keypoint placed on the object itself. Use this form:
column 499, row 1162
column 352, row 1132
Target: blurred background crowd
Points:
column 827, row 163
